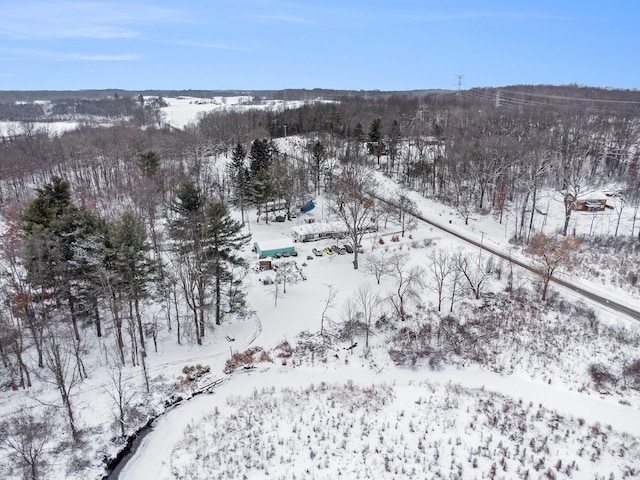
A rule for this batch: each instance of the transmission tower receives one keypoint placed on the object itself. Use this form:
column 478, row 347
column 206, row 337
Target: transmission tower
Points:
column 459, row 78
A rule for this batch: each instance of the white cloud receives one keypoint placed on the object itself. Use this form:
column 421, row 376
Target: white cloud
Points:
column 485, row 16
column 280, row 19
column 64, row 56
column 210, row 45
column 70, row 19
column 101, row 58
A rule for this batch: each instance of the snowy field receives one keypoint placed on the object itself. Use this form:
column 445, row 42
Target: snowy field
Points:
column 10, row 129
column 182, row 111
column 409, row 429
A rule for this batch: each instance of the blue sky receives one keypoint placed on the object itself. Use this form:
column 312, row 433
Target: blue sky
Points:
column 340, row 44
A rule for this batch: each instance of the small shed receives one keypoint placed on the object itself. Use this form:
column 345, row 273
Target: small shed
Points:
column 273, row 248
column 264, row 264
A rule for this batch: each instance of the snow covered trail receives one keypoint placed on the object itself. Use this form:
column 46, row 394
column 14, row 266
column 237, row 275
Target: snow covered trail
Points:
column 151, row 459
column 592, row 408
column 241, row 332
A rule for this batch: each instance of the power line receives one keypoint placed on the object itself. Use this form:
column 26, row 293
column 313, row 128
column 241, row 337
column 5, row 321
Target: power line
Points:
column 514, row 101
column 582, row 99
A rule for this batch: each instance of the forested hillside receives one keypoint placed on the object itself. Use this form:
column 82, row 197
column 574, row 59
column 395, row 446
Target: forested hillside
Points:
column 118, row 236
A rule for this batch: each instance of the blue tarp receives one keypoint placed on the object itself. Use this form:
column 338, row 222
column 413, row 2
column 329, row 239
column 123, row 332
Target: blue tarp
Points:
column 307, row 207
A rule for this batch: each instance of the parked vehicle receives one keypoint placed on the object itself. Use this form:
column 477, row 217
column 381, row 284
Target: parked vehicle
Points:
column 280, row 218
column 337, row 249
column 347, row 248
column 327, row 251
column 317, row 252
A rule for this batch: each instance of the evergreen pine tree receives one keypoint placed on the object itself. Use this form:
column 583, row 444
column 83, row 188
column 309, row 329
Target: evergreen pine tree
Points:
column 262, row 191
column 188, row 231
column 131, row 266
column 260, row 155
column 58, row 240
column 239, row 175
column 226, row 238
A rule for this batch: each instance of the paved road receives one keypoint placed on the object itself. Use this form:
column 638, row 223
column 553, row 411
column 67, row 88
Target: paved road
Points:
column 603, row 300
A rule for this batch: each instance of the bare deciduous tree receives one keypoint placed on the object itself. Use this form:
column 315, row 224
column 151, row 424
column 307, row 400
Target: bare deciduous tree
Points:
column 405, row 210
column 455, row 280
column 552, row 254
column 409, row 281
column 377, row 265
column 441, row 267
column 352, row 203
column 59, row 360
column 366, row 303
column 473, row 272
column 286, row 272
column 329, row 302
column 121, row 393
column 25, row 436
column 351, row 323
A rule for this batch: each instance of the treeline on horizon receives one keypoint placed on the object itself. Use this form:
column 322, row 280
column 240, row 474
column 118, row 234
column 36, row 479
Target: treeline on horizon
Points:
column 580, row 91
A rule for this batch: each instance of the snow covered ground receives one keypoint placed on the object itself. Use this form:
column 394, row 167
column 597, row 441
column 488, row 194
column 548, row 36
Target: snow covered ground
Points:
column 10, row 129
column 182, row 111
column 179, row 112
column 346, row 420
column 459, row 421
column 309, row 419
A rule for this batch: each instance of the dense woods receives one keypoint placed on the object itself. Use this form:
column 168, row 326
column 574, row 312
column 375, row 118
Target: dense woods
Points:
column 118, row 231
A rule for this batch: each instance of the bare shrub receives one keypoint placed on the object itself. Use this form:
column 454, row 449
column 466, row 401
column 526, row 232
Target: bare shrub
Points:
column 264, row 357
column 601, row 376
column 631, row 374
column 409, row 346
column 193, row 372
column 244, row 360
column 283, row 350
